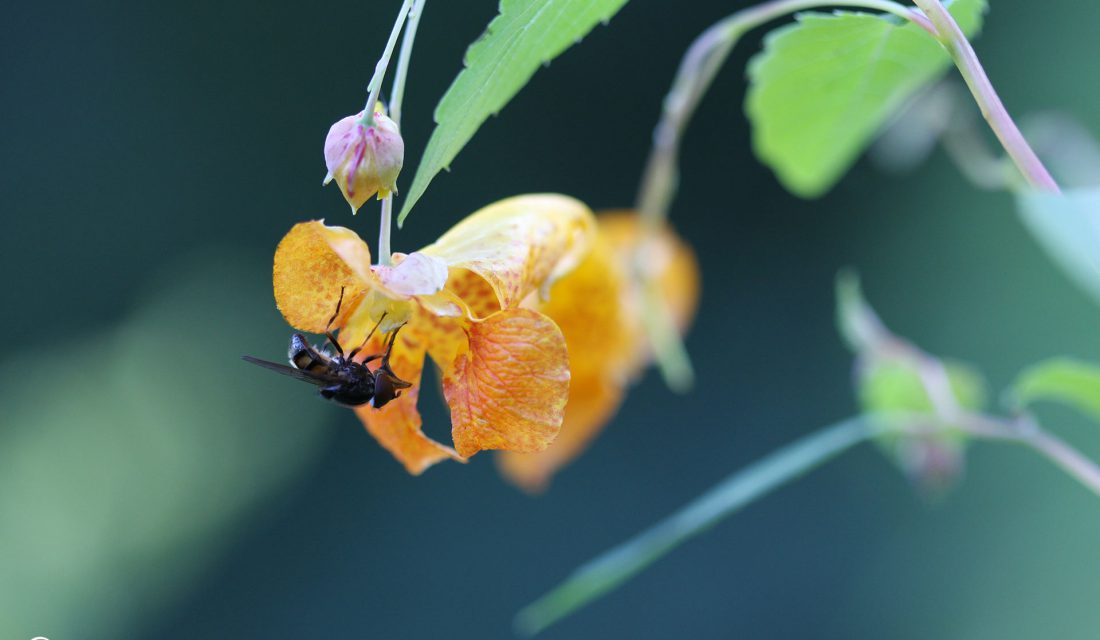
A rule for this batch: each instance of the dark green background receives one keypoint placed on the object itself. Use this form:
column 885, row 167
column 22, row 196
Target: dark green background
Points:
column 154, row 154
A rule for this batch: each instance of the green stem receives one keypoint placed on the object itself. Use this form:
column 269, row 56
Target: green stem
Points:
column 1069, row 459
column 383, row 63
column 397, row 94
column 397, row 99
column 385, row 224
column 613, row 567
column 963, row 142
column 659, row 181
column 1029, row 433
column 1004, row 127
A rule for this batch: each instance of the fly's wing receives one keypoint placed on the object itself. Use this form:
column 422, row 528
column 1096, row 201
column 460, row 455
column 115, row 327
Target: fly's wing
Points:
column 307, row 376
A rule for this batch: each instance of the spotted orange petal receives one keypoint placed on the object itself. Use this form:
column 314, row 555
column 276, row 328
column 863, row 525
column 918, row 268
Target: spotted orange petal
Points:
column 598, row 308
column 312, row 264
column 519, row 244
column 474, row 291
column 509, row 388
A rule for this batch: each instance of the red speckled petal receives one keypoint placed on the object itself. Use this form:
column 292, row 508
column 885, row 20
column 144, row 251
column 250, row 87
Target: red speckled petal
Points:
column 509, row 389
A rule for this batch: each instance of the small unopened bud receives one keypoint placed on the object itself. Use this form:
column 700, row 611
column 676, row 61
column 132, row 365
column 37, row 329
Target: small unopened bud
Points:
column 364, row 159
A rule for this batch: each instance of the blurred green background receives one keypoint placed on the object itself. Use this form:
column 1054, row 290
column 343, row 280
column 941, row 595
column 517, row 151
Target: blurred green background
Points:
column 153, row 485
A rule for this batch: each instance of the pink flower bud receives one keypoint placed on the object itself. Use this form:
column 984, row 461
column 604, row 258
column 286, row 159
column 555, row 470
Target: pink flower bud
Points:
column 364, row 159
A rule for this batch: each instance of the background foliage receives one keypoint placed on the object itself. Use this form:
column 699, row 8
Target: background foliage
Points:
column 150, row 148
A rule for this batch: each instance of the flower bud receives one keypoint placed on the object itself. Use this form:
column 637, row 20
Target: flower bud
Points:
column 364, row 159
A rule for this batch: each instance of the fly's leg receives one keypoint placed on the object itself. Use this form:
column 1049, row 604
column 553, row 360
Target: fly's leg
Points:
column 356, row 350
column 328, row 327
column 387, row 386
column 398, row 383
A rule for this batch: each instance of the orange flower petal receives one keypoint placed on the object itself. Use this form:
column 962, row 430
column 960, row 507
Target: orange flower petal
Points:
column 669, row 261
column 478, row 296
column 396, row 426
column 603, row 345
column 520, row 244
column 592, row 403
column 509, row 390
column 312, row 264
column 588, row 306
column 599, row 311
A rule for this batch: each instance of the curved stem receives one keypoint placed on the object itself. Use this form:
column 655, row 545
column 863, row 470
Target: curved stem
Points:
column 397, row 94
column 613, row 567
column 696, row 72
column 397, row 99
column 1070, row 460
column 954, row 41
column 659, row 181
column 1027, row 432
column 383, row 63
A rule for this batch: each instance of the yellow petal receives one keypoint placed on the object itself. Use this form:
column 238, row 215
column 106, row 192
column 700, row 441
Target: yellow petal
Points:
column 312, row 264
column 509, row 388
column 520, row 244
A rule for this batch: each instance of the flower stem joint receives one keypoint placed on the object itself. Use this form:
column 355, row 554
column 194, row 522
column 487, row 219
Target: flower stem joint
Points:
column 364, row 156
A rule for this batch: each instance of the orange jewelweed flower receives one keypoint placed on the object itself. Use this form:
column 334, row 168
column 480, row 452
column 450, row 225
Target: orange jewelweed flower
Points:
column 504, row 366
column 599, row 309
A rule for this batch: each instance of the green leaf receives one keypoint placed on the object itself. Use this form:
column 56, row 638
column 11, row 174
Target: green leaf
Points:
column 894, row 385
column 857, row 322
column 525, row 35
column 1068, row 227
column 1065, row 380
column 824, row 86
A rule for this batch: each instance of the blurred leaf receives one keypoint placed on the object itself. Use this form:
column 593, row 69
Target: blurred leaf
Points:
column 857, row 322
column 131, row 465
column 526, row 34
column 895, row 385
column 933, row 461
column 1067, row 225
column 893, row 377
column 1071, row 382
column 823, row 87
column 1067, row 147
column 888, row 371
column 911, row 136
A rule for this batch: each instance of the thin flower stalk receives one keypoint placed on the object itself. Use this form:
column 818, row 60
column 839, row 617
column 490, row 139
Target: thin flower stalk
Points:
column 660, row 179
column 962, row 52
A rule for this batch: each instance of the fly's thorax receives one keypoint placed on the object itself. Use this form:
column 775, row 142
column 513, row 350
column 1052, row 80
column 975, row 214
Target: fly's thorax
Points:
column 356, row 386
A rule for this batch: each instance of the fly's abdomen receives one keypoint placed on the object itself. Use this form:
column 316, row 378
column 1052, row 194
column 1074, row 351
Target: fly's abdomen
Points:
column 304, row 357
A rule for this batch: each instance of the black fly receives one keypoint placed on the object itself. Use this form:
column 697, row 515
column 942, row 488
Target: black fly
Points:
column 340, row 378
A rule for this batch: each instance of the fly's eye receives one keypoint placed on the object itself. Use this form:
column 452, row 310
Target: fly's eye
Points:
column 387, row 386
